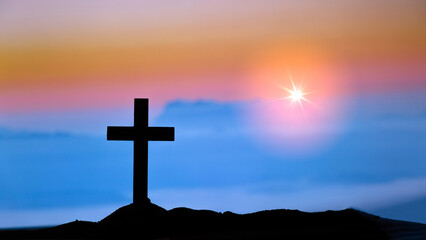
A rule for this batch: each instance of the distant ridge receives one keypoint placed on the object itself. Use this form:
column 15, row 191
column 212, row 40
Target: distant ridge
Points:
column 153, row 222
column 407, row 211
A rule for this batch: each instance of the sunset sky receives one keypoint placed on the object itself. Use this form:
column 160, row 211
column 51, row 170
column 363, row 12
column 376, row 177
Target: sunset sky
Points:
column 99, row 54
column 71, row 68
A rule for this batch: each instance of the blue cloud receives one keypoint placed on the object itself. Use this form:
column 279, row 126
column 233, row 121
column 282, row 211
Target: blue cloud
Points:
column 214, row 149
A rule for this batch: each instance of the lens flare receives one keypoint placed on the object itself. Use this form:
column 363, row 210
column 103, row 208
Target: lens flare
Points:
column 296, row 93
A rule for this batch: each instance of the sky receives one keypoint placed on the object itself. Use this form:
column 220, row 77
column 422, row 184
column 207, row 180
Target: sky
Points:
column 221, row 73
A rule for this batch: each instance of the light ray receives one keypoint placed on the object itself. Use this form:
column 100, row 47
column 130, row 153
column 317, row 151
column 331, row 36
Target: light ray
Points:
column 296, row 93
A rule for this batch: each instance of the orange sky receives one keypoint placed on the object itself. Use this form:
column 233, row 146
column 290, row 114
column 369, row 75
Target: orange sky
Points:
column 73, row 54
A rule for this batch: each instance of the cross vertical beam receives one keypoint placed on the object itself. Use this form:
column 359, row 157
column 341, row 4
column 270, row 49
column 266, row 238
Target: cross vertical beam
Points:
column 140, row 171
column 140, row 151
column 140, row 134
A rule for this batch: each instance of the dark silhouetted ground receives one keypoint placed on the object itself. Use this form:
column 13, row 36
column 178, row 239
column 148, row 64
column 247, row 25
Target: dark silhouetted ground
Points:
column 154, row 222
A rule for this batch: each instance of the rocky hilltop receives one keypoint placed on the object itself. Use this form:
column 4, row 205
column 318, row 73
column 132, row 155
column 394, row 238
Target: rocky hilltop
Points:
column 153, row 222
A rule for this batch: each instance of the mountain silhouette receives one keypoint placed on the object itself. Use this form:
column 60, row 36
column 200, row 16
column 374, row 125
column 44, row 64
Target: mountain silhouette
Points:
column 150, row 221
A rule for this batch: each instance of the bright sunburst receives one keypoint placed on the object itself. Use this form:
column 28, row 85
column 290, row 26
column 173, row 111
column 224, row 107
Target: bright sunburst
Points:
column 296, row 93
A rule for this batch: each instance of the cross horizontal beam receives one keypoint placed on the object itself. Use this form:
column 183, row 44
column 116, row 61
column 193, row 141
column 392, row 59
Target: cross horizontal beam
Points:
column 136, row 133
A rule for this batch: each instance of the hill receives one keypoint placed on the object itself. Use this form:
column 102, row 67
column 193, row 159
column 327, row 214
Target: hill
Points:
column 153, row 222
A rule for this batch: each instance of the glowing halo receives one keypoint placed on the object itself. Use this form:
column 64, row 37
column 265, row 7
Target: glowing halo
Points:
column 310, row 85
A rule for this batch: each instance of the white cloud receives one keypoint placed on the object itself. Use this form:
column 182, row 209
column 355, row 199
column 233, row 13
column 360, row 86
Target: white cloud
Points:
column 366, row 197
column 309, row 198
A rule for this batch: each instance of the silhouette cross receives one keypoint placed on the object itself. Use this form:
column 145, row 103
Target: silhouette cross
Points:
column 140, row 134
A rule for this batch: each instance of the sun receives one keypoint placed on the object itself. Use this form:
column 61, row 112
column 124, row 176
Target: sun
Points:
column 296, row 94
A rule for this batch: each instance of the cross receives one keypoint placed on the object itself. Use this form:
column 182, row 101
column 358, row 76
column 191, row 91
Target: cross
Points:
column 140, row 134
